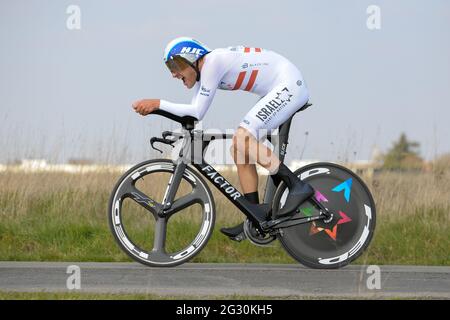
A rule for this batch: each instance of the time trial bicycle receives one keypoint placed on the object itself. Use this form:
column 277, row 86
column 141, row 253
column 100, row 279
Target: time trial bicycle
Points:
column 329, row 230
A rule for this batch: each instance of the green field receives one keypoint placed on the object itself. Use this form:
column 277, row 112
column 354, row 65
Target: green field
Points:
column 62, row 217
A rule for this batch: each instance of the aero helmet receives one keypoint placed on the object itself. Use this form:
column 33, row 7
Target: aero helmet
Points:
column 183, row 52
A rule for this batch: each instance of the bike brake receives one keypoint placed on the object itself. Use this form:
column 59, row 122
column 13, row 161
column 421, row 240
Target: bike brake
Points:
column 166, row 134
column 161, row 140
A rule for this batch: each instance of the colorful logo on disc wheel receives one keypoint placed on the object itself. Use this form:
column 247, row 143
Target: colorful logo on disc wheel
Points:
column 346, row 186
column 332, row 232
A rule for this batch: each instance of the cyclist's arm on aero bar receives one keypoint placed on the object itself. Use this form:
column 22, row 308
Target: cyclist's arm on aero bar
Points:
column 212, row 71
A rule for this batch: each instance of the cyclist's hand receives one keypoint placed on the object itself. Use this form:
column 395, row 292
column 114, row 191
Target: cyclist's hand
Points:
column 146, row 106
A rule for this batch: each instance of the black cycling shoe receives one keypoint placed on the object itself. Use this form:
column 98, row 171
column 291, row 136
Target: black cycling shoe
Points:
column 297, row 195
column 235, row 233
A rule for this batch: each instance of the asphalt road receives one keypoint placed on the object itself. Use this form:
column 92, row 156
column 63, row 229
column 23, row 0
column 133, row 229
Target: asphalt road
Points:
column 225, row 279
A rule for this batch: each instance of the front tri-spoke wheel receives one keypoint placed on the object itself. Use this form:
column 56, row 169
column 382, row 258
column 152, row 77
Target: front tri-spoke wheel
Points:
column 150, row 235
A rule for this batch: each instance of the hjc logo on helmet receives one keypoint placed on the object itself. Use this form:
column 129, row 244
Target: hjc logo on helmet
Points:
column 196, row 51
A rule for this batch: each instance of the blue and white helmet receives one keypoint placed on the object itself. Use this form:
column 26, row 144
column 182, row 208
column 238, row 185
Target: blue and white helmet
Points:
column 183, row 52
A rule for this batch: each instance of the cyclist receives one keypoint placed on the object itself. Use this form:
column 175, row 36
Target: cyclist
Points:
column 263, row 72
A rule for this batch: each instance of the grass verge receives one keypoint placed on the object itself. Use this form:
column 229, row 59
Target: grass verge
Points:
column 5, row 295
column 62, row 217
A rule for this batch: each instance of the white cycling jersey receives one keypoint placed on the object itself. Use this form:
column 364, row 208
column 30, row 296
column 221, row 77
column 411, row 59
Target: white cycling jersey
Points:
column 263, row 72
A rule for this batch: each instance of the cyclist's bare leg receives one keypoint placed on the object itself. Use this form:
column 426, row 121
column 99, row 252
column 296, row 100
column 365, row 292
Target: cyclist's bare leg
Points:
column 247, row 149
column 248, row 177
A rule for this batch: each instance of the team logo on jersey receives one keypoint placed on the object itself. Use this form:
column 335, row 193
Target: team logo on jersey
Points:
column 205, row 91
column 252, row 65
column 226, row 86
column 273, row 106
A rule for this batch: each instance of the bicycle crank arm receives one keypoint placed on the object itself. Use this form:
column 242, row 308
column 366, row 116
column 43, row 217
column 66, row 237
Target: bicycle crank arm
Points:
column 289, row 222
column 324, row 212
column 294, row 222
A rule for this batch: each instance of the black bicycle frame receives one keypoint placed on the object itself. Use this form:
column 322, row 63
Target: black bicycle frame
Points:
column 199, row 142
column 258, row 214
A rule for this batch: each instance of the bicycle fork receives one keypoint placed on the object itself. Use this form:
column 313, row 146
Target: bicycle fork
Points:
column 172, row 187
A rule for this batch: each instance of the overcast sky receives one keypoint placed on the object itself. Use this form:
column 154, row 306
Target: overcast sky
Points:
column 68, row 93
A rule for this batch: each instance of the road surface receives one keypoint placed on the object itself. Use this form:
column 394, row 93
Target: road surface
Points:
column 195, row 279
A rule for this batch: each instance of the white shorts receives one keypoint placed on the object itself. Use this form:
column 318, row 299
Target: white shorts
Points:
column 276, row 107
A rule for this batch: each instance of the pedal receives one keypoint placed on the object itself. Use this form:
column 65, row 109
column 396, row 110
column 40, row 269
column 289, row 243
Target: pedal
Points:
column 240, row 237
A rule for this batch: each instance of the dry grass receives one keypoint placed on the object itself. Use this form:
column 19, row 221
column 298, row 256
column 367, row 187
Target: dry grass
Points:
column 395, row 193
column 62, row 216
column 405, row 193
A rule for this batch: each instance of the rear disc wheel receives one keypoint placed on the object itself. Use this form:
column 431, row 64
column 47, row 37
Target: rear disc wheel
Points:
column 340, row 241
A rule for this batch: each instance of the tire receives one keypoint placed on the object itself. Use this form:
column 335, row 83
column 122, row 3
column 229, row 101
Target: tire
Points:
column 150, row 257
column 329, row 246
